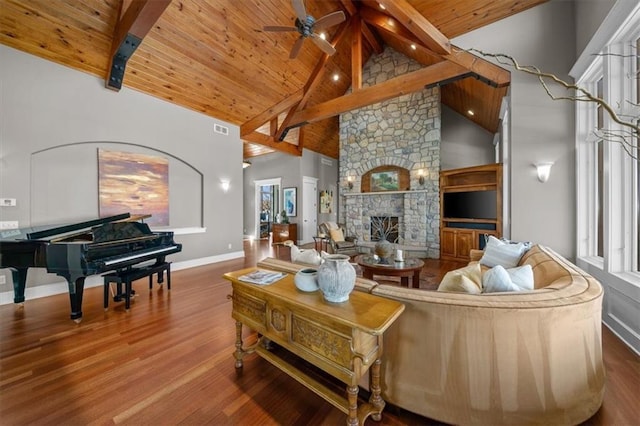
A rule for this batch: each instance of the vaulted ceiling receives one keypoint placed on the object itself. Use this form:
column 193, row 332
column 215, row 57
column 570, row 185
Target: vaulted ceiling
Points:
column 213, row 56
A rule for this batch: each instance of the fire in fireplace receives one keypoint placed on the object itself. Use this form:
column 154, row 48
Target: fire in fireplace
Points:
column 384, row 228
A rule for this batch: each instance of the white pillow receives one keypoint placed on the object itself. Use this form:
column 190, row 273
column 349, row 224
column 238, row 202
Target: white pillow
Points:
column 499, row 279
column 309, row 256
column 466, row 280
column 522, row 277
column 500, row 253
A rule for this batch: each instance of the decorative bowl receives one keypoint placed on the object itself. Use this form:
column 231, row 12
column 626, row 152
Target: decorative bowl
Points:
column 306, row 280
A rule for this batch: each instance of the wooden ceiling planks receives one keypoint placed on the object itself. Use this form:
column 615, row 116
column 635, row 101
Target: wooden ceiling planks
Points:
column 36, row 28
column 473, row 95
column 457, row 17
column 213, row 57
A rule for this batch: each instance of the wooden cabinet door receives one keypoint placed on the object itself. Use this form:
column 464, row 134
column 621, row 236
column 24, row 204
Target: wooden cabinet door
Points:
column 448, row 243
column 464, row 243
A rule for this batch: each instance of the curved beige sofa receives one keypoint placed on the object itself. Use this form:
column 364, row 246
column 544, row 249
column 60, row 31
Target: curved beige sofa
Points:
column 500, row 358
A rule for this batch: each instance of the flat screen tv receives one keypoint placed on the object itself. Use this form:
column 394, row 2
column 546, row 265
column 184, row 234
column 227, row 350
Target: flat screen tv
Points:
column 470, row 205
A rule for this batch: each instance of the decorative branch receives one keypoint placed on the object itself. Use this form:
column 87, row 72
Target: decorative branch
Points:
column 383, row 227
column 630, row 121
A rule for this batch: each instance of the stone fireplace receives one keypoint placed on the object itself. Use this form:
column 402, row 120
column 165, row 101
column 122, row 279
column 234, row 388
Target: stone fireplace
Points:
column 403, row 133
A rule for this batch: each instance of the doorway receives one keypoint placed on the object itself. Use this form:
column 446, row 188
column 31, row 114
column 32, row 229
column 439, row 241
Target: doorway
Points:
column 267, row 198
column 309, row 209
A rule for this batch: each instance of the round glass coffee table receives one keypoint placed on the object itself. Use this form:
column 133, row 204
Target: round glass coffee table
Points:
column 373, row 265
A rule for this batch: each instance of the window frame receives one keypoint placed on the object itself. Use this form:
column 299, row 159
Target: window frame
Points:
column 621, row 200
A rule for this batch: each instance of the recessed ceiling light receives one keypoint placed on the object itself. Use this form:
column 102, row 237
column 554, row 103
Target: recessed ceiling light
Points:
column 323, row 35
column 470, row 112
column 413, row 46
column 381, row 6
column 336, row 77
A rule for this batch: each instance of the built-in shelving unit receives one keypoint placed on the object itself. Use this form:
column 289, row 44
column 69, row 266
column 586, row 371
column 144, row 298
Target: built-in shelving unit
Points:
column 470, row 209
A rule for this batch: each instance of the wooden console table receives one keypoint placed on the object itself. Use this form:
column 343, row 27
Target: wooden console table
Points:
column 342, row 339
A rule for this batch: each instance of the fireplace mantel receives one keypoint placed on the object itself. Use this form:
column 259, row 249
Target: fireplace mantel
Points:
column 354, row 194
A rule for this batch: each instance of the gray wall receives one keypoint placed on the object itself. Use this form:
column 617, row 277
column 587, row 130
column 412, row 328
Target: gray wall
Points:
column 46, row 106
column 290, row 169
column 463, row 143
column 589, row 14
column 541, row 129
column 325, row 169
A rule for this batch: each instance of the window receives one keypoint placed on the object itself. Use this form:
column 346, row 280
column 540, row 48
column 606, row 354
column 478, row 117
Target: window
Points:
column 637, row 52
column 600, row 174
column 608, row 175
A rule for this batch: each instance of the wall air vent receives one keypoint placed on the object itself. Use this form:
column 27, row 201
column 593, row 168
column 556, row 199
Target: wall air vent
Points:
column 221, row 129
column 326, row 162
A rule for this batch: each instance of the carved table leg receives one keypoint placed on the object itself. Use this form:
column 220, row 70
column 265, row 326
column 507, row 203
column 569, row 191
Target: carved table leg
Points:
column 239, row 352
column 352, row 397
column 375, row 399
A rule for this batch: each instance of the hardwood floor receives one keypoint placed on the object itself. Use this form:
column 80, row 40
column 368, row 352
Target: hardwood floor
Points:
column 170, row 361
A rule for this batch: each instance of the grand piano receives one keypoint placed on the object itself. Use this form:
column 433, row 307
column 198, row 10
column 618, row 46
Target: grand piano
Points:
column 81, row 249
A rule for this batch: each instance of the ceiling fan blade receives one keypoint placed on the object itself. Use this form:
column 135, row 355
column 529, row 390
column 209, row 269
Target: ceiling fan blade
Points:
column 301, row 12
column 323, row 44
column 329, row 20
column 278, row 28
column 296, row 48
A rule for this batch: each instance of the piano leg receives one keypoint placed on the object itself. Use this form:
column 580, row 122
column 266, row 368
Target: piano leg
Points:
column 19, row 277
column 76, row 289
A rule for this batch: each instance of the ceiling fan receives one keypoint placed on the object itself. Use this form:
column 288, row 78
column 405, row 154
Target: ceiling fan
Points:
column 306, row 25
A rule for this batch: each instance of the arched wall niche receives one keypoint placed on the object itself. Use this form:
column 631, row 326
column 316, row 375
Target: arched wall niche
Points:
column 64, row 184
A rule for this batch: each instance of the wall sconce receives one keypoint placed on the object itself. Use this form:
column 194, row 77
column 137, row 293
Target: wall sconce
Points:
column 421, row 176
column 544, row 170
column 246, row 164
column 350, row 182
column 225, row 185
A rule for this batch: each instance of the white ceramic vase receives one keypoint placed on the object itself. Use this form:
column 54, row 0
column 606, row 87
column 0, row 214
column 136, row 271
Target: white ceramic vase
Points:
column 336, row 278
column 306, row 279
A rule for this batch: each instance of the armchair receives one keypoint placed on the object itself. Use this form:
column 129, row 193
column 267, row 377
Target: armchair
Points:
column 337, row 240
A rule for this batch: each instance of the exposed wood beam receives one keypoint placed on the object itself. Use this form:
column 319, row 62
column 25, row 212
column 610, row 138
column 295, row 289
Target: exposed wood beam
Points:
column 408, row 83
column 386, row 23
column 318, row 72
column 485, row 70
column 312, row 82
column 266, row 140
column 356, row 53
column 134, row 25
column 369, row 35
column 419, row 26
column 257, row 121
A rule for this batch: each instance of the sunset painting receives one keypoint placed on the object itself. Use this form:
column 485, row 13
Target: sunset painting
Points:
column 134, row 183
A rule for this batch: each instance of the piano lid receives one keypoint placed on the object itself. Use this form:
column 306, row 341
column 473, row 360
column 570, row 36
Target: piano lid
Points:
column 44, row 232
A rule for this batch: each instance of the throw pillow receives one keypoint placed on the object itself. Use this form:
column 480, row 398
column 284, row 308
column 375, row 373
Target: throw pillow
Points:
column 336, row 234
column 500, row 253
column 466, row 280
column 309, row 256
column 498, row 279
column 522, row 277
